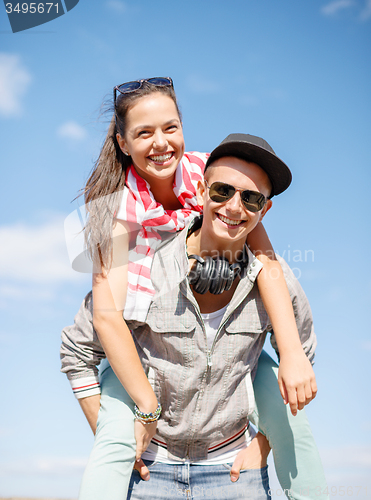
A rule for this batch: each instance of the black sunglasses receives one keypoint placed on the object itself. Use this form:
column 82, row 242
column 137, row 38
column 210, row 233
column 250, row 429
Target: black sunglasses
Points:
column 221, row 192
column 129, row 87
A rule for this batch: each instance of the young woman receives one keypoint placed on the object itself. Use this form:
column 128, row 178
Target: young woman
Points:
column 142, row 187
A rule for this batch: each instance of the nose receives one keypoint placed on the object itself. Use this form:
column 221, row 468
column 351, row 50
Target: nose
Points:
column 159, row 141
column 234, row 204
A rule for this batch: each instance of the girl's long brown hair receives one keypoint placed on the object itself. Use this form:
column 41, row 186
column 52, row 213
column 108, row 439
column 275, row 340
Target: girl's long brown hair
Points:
column 104, row 186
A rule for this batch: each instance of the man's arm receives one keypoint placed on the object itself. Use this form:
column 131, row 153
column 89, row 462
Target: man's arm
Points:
column 81, row 352
column 90, row 406
column 253, row 457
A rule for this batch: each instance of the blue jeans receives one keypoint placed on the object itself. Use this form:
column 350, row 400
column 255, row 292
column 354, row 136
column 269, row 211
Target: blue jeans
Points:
column 194, row 482
column 296, row 458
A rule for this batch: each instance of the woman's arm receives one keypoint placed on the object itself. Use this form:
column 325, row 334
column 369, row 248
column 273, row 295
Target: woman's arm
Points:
column 109, row 295
column 296, row 378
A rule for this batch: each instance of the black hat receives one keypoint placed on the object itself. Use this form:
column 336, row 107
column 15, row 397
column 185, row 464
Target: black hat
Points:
column 256, row 150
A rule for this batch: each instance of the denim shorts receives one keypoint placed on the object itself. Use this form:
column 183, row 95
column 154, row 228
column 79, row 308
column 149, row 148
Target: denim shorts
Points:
column 196, row 482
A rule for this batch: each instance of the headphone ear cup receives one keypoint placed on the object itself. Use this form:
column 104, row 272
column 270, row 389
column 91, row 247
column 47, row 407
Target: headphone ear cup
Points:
column 202, row 275
column 194, row 271
column 206, row 275
column 214, row 274
column 220, row 277
column 230, row 276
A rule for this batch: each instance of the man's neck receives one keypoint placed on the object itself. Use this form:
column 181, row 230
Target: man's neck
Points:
column 200, row 244
column 208, row 302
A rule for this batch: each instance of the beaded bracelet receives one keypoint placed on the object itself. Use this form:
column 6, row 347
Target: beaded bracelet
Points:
column 147, row 418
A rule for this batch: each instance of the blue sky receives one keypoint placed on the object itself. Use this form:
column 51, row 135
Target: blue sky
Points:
column 294, row 72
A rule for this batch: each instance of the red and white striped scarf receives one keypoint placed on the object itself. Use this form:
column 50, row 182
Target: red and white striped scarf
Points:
column 139, row 206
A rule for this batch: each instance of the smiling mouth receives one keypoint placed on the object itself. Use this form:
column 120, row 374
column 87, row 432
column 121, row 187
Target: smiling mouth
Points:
column 161, row 158
column 230, row 222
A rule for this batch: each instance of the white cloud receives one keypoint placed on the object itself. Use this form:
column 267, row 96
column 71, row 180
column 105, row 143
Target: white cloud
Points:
column 366, row 12
column 48, row 465
column 348, row 479
column 72, row 130
column 6, row 431
column 366, row 425
column 14, row 82
column 249, row 100
column 117, row 6
column 22, row 292
column 335, row 294
column 366, row 345
column 34, row 254
column 333, row 7
column 8, row 340
column 347, row 470
column 202, row 85
column 349, row 457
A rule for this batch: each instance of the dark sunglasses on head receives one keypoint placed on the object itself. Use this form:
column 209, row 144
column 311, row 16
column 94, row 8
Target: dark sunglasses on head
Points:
column 221, row 192
column 129, row 87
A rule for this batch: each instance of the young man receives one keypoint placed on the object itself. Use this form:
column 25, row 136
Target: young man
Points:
column 205, row 331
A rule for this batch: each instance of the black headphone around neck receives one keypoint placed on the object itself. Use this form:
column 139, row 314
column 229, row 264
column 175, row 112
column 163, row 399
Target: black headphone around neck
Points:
column 214, row 274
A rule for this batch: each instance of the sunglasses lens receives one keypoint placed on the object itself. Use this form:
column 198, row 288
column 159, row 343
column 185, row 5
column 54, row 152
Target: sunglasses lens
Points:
column 252, row 201
column 220, row 192
column 125, row 88
column 161, row 82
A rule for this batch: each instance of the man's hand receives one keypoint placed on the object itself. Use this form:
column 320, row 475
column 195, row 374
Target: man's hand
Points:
column 296, row 380
column 142, row 469
column 253, row 457
column 143, row 435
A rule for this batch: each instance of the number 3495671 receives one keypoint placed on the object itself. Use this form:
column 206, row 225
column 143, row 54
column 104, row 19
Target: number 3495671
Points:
column 31, row 8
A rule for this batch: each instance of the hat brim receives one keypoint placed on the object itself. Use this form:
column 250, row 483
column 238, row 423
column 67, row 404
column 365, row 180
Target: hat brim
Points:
column 278, row 172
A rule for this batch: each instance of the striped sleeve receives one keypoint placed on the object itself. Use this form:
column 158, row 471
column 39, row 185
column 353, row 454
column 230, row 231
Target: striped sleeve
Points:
column 84, row 387
column 81, row 352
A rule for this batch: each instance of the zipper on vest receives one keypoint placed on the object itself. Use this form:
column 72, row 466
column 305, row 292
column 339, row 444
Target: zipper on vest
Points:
column 209, row 359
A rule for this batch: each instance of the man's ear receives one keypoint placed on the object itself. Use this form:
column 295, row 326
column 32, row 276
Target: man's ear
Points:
column 200, row 192
column 266, row 207
column 122, row 143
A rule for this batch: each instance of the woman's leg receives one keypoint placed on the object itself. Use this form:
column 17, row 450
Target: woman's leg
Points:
column 111, row 461
column 296, row 458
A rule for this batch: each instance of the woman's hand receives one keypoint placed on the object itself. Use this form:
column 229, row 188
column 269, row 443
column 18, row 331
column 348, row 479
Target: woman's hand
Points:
column 296, row 380
column 143, row 435
column 253, row 457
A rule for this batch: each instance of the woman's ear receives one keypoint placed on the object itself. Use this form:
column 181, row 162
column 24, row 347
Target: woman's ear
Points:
column 266, row 207
column 200, row 192
column 122, row 143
